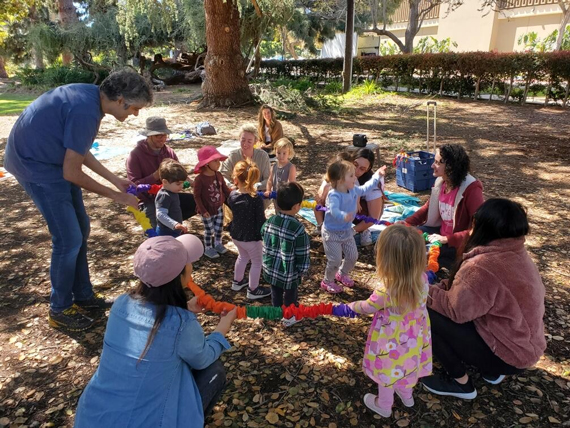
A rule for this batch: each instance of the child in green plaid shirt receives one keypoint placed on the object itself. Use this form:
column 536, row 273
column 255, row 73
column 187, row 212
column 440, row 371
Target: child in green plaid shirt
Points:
column 285, row 248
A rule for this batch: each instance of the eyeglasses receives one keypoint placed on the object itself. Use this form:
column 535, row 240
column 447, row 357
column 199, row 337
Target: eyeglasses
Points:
column 437, row 163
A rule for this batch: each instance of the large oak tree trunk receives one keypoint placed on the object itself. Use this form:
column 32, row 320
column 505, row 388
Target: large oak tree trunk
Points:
column 3, row 73
column 225, row 83
column 67, row 17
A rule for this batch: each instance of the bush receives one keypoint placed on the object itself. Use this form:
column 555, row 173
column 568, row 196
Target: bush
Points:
column 56, row 76
column 334, row 87
column 462, row 74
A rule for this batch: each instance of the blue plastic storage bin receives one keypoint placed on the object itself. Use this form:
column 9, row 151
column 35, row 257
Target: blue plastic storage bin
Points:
column 413, row 172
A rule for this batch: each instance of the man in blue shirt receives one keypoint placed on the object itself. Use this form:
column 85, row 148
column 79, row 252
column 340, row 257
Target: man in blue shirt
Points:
column 46, row 151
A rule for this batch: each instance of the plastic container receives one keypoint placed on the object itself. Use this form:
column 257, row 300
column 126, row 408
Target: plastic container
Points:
column 413, row 171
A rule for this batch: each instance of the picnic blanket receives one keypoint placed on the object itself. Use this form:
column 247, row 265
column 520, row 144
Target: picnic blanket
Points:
column 399, row 207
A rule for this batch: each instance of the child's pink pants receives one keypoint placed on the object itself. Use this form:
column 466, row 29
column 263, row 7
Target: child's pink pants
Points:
column 386, row 395
column 249, row 251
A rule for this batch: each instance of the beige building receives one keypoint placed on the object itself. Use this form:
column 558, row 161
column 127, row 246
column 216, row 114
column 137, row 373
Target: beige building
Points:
column 473, row 29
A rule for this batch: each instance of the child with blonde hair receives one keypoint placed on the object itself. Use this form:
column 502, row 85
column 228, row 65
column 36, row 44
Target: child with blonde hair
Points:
column 398, row 350
column 338, row 237
column 245, row 229
column 324, row 191
column 282, row 171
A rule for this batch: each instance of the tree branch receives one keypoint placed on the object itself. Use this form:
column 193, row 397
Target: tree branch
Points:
column 257, row 8
column 389, row 34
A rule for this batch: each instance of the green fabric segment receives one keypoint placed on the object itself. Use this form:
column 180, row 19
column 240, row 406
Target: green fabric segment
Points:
column 265, row 312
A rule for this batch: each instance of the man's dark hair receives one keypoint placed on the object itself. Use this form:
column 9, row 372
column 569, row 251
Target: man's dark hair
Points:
column 289, row 195
column 128, row 84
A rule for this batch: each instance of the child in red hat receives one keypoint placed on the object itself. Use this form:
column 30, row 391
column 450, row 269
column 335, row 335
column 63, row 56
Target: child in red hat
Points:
column 210, row 193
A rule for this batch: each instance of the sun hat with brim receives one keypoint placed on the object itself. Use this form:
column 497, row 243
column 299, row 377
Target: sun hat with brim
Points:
column 161, row 259
column 206, row 155
column 155, row 126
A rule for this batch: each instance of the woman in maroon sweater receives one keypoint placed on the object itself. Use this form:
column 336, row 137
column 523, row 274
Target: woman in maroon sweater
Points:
column 489, row 314
column 455, row 196
column 143, row 162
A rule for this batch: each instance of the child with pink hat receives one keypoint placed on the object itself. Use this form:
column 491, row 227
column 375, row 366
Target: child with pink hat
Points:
column 210, row 193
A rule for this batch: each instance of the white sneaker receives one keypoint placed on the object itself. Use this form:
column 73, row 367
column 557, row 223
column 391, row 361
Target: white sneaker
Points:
column 365, row 238
column 288, row 322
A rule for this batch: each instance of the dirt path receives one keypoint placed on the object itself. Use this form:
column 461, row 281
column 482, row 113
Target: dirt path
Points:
column 308, row 375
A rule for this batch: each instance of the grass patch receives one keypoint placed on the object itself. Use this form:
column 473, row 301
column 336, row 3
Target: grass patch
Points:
column 13, row 104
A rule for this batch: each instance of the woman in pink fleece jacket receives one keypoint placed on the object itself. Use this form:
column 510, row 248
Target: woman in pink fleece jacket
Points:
column 489, row 314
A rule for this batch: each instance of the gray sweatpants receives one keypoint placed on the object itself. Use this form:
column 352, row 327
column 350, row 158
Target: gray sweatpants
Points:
column 337, row 243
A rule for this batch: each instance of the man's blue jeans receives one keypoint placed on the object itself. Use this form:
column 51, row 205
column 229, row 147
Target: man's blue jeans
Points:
column 61, row 205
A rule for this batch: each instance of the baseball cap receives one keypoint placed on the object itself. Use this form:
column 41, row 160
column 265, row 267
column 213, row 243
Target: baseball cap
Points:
column 159, row 260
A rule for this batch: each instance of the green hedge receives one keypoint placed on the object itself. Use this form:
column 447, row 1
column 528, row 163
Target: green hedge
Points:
column 57, row 76
column 458, row 74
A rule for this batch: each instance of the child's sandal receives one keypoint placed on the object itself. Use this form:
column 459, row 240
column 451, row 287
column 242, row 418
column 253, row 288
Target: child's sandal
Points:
column 344, row 280
column 331, row 287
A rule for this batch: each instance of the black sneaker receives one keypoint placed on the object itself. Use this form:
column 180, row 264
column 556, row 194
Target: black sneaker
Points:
column 445, row 385
column 239, row 285
column 70, row 319
column 493, row 380
column 258, row 293
column 97, row 302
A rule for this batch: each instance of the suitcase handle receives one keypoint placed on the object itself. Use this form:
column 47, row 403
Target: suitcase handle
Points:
column 434, row 104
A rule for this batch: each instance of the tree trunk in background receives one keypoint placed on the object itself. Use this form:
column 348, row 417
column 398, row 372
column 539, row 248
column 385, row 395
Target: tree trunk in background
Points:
column 67, row 17
column 38, row 58
column 225, row 84
column 37, row 54
column 348, row 38
column 565, row 20
column 3, row 73
column 413, row 26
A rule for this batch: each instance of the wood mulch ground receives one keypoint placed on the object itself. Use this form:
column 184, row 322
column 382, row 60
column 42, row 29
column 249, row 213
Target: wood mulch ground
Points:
column 309, row 374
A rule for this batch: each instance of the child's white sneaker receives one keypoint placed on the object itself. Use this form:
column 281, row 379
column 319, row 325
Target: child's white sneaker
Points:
column 370, row 402
column 288, row 322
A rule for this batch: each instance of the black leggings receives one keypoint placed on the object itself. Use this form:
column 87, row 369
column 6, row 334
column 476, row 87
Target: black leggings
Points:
column 280, row 296
column 211, row 382
column 455, row 345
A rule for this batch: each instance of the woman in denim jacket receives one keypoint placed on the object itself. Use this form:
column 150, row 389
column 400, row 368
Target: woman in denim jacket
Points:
column 157, row 369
